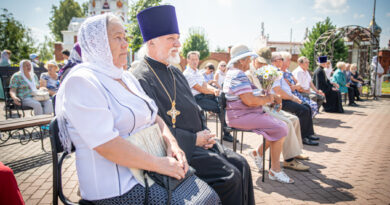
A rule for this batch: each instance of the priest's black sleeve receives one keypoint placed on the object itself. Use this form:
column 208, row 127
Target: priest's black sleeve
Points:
column 322, row 82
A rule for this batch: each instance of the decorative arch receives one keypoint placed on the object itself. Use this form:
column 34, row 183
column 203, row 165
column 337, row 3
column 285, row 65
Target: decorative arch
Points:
column 358, row 37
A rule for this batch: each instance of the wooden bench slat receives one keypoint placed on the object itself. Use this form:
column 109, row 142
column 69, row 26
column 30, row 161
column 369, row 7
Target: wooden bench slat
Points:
column 8, row 125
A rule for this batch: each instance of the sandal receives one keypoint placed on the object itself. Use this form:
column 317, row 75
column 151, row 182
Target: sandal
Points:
column 258, row 160
column 280, row 177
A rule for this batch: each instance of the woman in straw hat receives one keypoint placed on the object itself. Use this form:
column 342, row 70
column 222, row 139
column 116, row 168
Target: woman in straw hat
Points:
column 244, row 110
column 49, row 79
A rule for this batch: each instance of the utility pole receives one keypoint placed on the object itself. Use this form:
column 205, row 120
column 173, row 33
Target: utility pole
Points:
column 373, row 24
column 290, row 40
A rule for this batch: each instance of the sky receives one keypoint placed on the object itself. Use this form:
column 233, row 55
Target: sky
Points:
column 231, row 22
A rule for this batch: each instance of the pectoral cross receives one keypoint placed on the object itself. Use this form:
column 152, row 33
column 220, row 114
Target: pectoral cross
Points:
column 173, row 113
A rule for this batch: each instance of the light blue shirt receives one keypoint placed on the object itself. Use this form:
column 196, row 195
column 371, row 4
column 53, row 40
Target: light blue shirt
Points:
column 283, row 84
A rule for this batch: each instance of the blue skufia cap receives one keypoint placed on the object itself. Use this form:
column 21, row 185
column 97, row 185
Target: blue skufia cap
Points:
column 323, row 59
column 33, row 56
column 157, row 21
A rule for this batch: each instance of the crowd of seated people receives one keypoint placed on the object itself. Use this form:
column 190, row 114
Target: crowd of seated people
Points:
column 25, row 85
column 121, row 103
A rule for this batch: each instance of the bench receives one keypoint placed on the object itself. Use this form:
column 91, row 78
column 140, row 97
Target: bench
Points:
column 18, row 128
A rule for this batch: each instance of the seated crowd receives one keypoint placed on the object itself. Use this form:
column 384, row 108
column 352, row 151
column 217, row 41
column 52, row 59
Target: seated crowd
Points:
column 121, row 103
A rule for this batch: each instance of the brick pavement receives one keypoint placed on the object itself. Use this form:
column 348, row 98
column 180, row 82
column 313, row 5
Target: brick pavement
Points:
column 349, row 167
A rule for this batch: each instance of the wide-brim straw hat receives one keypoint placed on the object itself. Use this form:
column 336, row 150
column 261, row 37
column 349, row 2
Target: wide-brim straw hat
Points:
column 51, row 62
column 239, row 52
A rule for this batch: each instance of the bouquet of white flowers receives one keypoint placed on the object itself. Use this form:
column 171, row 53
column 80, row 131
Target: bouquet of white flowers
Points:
column 267, row 75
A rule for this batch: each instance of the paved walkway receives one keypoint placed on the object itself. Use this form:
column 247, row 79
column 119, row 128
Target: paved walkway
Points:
column 350, row 166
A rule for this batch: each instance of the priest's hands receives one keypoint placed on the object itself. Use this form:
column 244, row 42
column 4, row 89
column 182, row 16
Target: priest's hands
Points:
column 205, row 139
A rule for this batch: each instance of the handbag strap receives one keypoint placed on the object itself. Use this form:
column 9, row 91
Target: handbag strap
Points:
column 146, row 200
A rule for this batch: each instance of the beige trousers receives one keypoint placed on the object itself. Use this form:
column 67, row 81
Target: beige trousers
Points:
column 292, row 145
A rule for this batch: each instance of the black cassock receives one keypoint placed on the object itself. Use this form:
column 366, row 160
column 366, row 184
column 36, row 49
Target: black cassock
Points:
column 224, row 170
column 333, row 98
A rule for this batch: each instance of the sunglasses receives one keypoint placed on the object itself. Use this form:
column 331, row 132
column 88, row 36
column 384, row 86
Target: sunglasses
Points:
column 223, row 65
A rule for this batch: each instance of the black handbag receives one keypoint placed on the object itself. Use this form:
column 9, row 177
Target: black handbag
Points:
column 169, row 183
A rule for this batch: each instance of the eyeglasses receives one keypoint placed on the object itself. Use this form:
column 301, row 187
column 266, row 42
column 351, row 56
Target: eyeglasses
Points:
column 223, row 65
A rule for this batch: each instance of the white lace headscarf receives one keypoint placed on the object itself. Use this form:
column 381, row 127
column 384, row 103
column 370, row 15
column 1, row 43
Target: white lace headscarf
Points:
column 31, row 83
column 96, row 56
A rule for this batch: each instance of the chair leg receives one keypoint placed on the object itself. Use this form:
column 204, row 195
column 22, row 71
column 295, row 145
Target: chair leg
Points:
column 234, row 140
column 262, row 178
column 269, row 165
column 242, row 141
column 216, row 126
column 221, row 135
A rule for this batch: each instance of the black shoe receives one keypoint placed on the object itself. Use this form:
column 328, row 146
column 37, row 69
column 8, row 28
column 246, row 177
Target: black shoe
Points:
column 359, row 99
column 308, row 141
column 353, row 105
column 228, row 137
column 313, row 137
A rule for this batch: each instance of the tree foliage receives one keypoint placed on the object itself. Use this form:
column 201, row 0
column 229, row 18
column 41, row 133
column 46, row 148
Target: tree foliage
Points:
column 340, row 51
column 62, row 15
column 84, row 6
column 46, row 49
column 196, row 41
column 135, row 37
column 220, row 50
column 15, row 37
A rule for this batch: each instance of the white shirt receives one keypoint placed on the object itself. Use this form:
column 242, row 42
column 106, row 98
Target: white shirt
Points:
column 303, row 77
column 193, row 77
column 221, row 77
column 328, row 73
column 95, row 115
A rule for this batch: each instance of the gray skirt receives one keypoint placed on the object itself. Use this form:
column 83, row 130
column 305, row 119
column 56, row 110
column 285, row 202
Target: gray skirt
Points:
column 192, row 191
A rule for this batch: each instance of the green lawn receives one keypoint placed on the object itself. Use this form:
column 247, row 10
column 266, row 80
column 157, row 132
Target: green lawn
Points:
column 385, row 88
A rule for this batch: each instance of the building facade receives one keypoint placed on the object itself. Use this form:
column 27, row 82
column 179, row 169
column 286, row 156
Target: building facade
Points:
column 95, row 7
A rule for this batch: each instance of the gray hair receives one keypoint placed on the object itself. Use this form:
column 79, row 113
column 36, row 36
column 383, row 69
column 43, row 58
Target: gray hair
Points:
column 141, row 53
column 285, row 55
column 275, row 56
column 193, row 52
column 340, row 64
column 112, row 17
column 302, row 59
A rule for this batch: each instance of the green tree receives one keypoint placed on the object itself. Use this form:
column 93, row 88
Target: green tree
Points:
column 84, row 6
column 15, row 37
column 340, row 50
column 62, row 15
column 135, row 37
column 196, row 41
column 220, row 50
column 46, row 49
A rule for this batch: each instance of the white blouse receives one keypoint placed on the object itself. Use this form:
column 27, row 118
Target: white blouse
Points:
column 94, row 115
column 193, row 77
column 221, row 77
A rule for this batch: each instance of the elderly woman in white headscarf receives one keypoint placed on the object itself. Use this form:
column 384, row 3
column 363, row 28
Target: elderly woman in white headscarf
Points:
column 5, row 56
column 376, row 75
column 99, row 106
column 23, row 84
